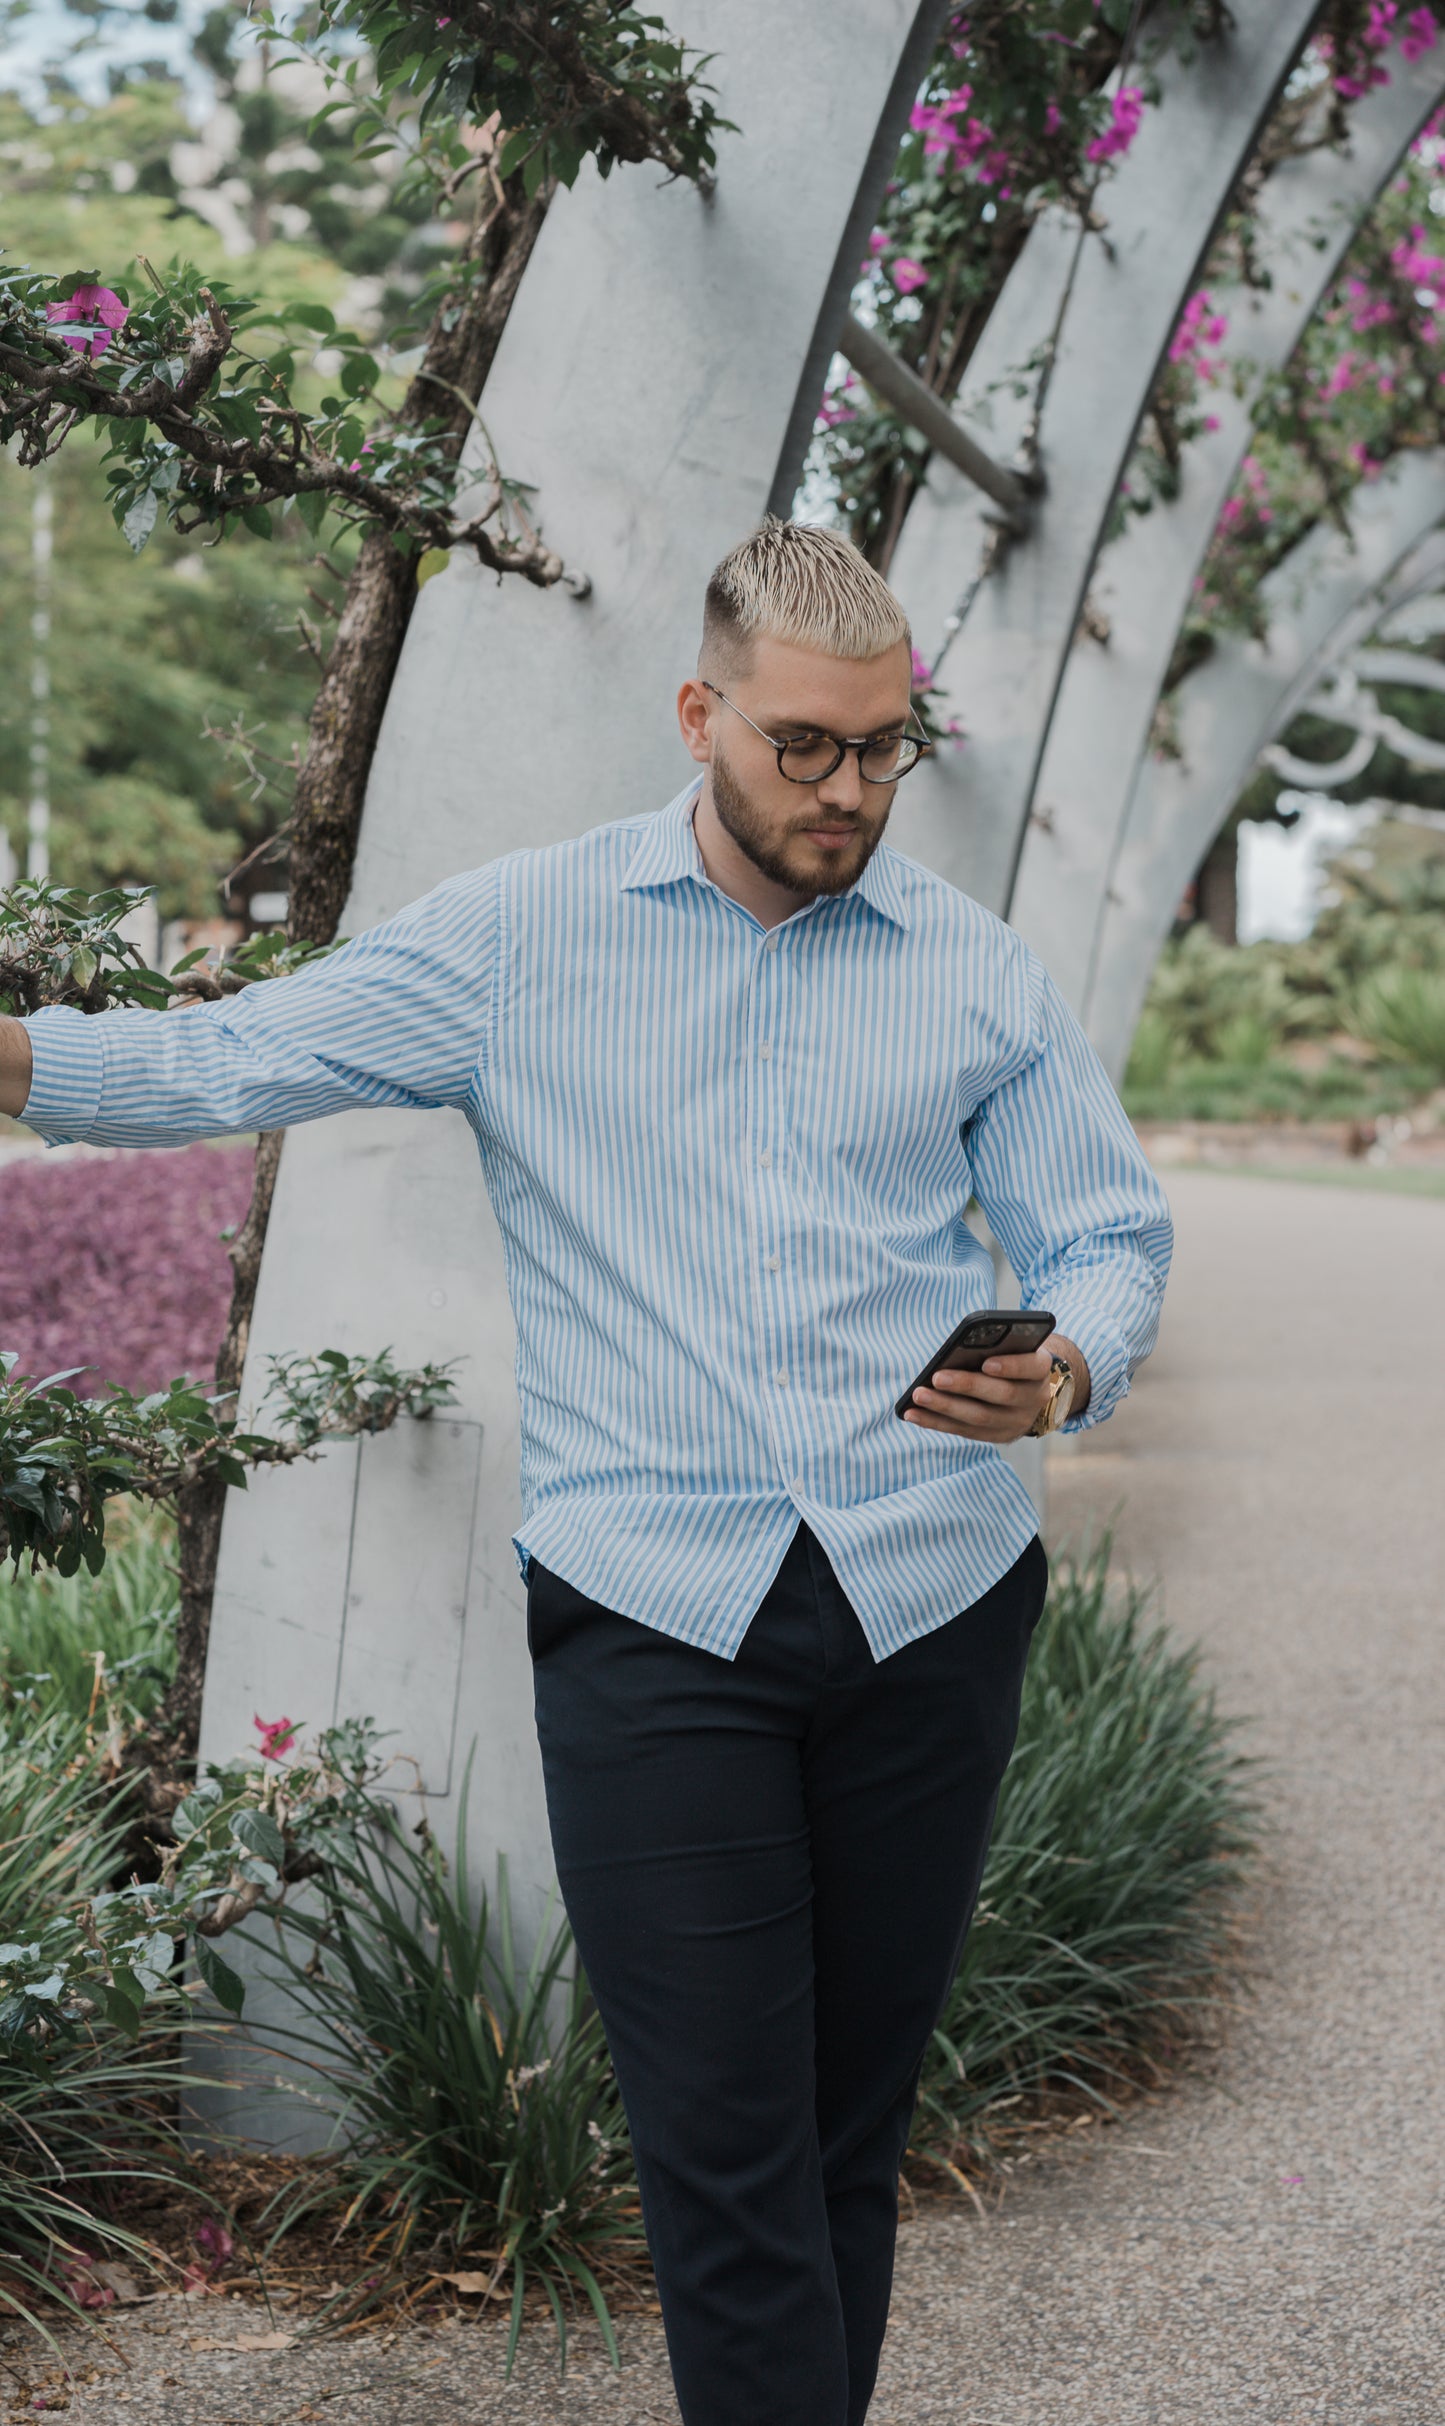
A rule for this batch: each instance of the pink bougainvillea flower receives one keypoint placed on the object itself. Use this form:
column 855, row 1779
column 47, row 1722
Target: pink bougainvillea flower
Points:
column 1379, row 30
column 908, row 276
column 1340, row 380
column 214, row 2242
column 278, row 1735
column 1200, row 325
column 83, row 2287
column 1420, row 268
column 101, row 311
column 1053, row 118
column 1126, row 112
column 1421, row 33
column 921, row 674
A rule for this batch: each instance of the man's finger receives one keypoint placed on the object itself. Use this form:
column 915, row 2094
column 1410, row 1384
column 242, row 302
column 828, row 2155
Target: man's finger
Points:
column 984, row 1387
column 971, row 1412
column 1035, row 1366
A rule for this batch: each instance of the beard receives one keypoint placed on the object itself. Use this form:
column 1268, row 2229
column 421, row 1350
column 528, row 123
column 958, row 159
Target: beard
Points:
column 779, row 852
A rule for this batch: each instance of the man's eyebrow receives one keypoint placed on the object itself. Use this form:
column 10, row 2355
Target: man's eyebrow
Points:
column 801, row 725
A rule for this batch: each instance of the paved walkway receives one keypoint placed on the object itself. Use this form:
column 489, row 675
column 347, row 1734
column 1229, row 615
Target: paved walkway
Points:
column 1267, row 2244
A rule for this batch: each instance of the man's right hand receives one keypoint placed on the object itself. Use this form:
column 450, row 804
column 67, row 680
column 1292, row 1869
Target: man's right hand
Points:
column 15, row 1067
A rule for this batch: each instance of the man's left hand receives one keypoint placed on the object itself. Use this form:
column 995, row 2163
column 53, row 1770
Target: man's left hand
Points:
column 1003, row 1401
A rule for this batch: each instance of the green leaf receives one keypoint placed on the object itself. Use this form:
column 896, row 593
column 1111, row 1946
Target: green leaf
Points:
column 358, row 373
column 118, row 2009
column 226, row 1986
column 258, row 1832
column 257, row 518
column 139, row 519
column 311, row 506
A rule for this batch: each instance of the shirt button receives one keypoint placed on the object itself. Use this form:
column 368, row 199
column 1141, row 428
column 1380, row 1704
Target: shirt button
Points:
column 775, row 1263
column 771, row 944
column 766, row 1051
column 766, row 1159
column 782, row 1377
column 797, row 1485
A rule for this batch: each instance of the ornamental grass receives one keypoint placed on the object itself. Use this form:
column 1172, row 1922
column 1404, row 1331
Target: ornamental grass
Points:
column 479, row 2144
column 482, row 2138
column 1106, row 1929
column 87, row 2114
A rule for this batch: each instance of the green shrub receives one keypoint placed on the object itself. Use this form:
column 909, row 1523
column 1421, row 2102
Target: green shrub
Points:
column 474, row 2097
column 68, row 1640
column 1124, row 1828
column 88, row 2112
column 1401, row 1012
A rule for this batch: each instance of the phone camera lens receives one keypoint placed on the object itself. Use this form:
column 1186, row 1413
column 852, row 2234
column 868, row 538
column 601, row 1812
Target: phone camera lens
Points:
column 987, row 1335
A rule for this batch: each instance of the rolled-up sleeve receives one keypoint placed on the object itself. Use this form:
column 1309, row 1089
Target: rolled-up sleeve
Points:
column 1073, row 1201
column 400, row 1016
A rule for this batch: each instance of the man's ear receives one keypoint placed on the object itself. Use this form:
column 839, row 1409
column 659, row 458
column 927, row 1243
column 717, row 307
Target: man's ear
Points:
column 694, row 719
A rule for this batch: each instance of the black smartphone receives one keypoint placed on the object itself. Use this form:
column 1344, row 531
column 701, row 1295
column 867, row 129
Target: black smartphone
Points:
column 996, row 1331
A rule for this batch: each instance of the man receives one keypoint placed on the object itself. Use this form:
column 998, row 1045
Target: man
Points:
column 734, row 1070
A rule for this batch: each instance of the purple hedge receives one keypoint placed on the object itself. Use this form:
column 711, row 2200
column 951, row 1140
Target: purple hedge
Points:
column 118, row 1264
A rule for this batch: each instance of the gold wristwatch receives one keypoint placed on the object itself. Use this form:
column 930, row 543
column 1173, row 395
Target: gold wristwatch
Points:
column 1056, row 1406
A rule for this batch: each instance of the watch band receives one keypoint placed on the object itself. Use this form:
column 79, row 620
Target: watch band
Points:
column 1046, row 1420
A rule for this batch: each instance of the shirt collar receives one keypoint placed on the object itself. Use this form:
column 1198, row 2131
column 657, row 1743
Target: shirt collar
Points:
column 667, row 853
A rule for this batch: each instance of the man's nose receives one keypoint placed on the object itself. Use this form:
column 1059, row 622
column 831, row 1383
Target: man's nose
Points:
column 844, row 788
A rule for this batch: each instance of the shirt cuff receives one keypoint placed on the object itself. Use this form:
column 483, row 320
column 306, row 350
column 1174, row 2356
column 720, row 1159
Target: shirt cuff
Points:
column 1106, row 1353
column 68, row 1056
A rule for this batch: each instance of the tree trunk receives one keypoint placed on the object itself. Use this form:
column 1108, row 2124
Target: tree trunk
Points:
column 346, row 717
column 326, row 822
column 200, row 1505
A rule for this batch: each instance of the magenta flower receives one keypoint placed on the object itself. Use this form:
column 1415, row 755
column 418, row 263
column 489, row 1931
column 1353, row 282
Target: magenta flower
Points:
column 1053, row 118
column 278, row 1736
column 1126, row 113
column 908, row 276
column 1419, row 268
column 1200, row 325
column 921, row 675
column 1420, row 35
column 214, row 2242
column 100, row 310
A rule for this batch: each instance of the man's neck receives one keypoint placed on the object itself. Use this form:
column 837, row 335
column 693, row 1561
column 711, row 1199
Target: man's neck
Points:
column 731, row 870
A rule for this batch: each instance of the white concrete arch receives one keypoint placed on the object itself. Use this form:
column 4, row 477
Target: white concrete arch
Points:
column 964, row 813
column 649, row 385
column 1308, row 214
column 1328, row 596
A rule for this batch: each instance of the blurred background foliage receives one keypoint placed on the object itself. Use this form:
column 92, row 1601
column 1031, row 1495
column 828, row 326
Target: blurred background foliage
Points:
column 152, row 656
column 1346, row 1024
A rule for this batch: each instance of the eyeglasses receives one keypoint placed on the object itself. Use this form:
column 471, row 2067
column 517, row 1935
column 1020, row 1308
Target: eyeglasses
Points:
column 813, row 757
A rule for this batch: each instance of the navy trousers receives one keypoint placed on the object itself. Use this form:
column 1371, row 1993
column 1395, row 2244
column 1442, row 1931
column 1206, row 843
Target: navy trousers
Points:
column 769, row 1865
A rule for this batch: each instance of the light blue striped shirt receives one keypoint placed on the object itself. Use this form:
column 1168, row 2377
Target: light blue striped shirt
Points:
column 730, row 1168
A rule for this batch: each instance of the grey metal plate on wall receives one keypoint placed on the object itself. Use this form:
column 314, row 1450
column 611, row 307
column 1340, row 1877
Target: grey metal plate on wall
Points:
column 406, row 1590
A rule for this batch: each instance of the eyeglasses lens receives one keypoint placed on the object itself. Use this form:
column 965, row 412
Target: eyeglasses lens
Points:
column 887, row 760
column 815, row 756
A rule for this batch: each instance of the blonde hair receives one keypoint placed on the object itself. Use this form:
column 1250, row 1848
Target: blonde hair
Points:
column 796, row 582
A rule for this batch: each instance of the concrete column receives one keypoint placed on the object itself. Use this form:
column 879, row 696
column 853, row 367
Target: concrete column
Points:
column 964, row 813
column 657, row 382
column 1328, row 595
column 1308, row 215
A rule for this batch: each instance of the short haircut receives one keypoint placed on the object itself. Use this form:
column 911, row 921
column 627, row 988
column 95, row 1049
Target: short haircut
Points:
column 796, row 582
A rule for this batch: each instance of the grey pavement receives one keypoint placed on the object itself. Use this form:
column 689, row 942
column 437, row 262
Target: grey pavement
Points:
column 1264, row 2243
